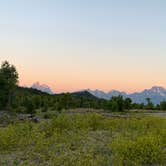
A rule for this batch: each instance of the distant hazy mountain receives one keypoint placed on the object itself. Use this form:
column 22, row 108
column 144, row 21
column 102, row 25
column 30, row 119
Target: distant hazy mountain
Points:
column 42, row 88
column 157, row 94
column 99, row 94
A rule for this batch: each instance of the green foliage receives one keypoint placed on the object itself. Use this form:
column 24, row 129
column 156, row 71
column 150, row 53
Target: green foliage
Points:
column 144, row 150
column 30, row 107
column 88, row 139
column 149, row 104
column 8, row 82
column 162, row 105
column 33, row 100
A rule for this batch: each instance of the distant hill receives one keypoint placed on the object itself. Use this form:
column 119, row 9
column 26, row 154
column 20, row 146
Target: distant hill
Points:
column 85, row 94
column 80, row 94
column 156, row 93
column 26, row 90
column 32, row 91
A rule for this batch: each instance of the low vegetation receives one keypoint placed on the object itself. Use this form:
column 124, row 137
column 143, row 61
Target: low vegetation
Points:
column 85, row 140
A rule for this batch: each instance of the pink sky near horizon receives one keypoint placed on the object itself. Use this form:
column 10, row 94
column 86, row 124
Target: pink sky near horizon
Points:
column 73, row 83
column 76, row 74
column 65, row 71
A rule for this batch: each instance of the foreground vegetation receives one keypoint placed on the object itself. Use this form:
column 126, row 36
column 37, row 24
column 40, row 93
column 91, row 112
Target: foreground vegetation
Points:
column 85, row 140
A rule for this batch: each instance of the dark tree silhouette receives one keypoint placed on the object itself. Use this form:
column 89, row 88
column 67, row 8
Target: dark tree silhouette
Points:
column 8, row 83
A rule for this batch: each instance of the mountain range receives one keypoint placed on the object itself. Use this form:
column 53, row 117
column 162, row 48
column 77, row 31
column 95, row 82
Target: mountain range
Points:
column 156, row 93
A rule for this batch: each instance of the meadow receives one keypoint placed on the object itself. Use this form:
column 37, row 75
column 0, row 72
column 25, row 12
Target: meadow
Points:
column 84, row 139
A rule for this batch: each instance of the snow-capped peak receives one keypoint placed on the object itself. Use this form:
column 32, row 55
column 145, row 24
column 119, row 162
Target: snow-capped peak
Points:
column 156, row 93
column 42, row 87
column 157, row 89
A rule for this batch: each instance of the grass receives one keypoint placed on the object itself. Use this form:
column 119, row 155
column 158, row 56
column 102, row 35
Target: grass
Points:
column 85, row 140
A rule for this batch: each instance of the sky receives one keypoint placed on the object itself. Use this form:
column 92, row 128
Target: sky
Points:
column 72, row 45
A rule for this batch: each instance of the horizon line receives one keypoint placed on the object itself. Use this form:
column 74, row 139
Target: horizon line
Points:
column 86, row 89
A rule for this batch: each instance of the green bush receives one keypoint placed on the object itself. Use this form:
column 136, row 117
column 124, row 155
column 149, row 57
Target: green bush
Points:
column 145, row 150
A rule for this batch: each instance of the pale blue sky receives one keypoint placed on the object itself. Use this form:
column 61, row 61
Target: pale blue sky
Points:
column 74, row 44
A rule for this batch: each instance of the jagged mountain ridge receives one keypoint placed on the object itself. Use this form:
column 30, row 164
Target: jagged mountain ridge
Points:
column 156, row 93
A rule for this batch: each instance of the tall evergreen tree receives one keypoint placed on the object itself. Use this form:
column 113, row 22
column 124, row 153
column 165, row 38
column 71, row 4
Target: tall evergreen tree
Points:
column 8, row 83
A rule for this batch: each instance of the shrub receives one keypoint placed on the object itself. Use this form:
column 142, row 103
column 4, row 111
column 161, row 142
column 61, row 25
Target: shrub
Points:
column 145, row 150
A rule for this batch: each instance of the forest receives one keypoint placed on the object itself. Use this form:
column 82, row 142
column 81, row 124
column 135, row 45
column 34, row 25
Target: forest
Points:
column 27, row 100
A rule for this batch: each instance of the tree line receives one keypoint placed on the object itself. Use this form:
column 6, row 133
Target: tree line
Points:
column 27, row 100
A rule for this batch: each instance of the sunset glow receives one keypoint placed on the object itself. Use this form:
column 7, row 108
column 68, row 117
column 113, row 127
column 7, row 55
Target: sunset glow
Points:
column 75, row 45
